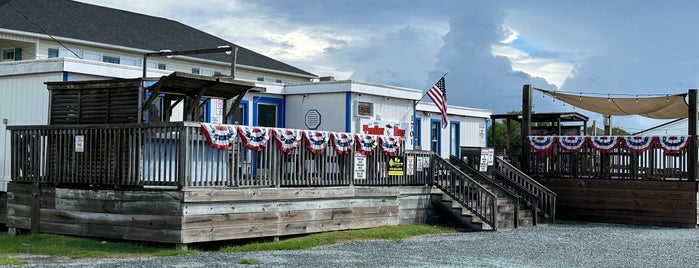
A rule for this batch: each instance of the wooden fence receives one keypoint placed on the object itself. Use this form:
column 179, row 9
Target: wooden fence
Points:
column 178, row 155
column 614, row 157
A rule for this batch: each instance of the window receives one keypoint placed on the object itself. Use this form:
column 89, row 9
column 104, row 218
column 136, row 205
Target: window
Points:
column 267, row 115
column 195, row 70
column 110, row 59
column 53, row 52
column 239, row 116
column 435, row 136
column 454, row 138
column 217, row 73
column 279, row 81
column 94, row 56
column 8, row 54
column 260, row 78
column 417, row 132
column 206, row 71
column 155, row 65
column 130, row 61
column 65, row 53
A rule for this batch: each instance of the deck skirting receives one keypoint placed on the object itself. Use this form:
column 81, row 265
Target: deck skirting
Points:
column 196, row 215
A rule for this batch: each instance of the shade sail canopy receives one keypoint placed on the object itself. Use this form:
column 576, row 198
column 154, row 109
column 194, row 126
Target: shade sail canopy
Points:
column 660, row 107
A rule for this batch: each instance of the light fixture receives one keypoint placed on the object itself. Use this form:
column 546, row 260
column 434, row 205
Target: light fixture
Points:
column 667, row 98
column 228, row 52
column 636, row 98
column 609, row 98
column 580, row 96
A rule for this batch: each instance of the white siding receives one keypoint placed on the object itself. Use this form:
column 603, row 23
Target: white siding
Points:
column 331, row 107
column 25, row 102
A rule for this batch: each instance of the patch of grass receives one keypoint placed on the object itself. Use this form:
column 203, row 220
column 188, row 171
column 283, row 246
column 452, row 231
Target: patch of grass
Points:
column 4, row 260
column 248, row 261
column 394, row 233
column 76, row 247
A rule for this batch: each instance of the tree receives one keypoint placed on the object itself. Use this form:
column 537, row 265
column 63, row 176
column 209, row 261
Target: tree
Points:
column 616, row 131
column 500, row 143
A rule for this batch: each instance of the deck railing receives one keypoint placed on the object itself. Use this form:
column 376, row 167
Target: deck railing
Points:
column 177, row 155
column 639, row 158
column 544, row 199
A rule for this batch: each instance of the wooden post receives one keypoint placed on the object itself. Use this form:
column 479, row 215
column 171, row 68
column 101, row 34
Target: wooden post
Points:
column 526, row 126
column 692, row 129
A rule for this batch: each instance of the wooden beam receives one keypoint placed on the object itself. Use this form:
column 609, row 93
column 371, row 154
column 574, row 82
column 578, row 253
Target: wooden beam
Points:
column 526, row 125
column 692, row 129
column 153, row 95
column 235, row 105
column 194, row 106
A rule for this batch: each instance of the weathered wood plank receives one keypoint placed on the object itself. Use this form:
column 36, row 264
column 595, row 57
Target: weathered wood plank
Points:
column 132, row 220
column 282, row 229
column 119, row 207
column 155, row 195
column 269, row 206
column 115, row 232
column 254, row 194
column 3, row 207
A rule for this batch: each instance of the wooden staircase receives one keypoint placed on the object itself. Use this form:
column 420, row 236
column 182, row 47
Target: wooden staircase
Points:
column 481, row 201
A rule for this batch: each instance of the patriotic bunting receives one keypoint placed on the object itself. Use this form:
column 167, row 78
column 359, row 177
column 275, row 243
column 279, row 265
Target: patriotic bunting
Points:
column 673, row 144
column 366, row 144
column 541, row 143
column 638, row 144
column 316, row 141
column 287, row 139
column 390, row 145
column 254, row 138
column 342, row 142
column 571, row 143
column 604, row 143
column 219, row 136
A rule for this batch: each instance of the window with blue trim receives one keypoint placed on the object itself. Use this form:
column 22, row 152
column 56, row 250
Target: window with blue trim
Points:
column 239, row 116
column 417, row 131
column 110, row 59
column 195, row 70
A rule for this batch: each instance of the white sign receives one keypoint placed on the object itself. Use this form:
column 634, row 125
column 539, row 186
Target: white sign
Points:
column 491, row 156
column 423, row 162
column 484, row 160
column 409, row 165
column 79, row 143
column 359, row 166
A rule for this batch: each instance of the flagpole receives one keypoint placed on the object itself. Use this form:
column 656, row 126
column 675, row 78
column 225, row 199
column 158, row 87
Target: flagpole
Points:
column 415, row 113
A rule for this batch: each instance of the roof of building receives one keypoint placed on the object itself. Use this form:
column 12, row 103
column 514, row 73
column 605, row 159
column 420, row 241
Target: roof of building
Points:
column 545, row 117
column 76, row 20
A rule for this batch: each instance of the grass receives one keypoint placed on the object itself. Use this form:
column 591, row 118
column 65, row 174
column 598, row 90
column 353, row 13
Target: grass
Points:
column 77, row 247
column 394, row 233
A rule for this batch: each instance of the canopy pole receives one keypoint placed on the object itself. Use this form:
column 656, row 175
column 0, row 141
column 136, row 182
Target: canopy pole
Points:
column 692, row 129
column 526, row 126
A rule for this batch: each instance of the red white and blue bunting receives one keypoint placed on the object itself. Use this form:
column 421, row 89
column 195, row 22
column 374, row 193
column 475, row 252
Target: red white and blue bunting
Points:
column 571, row 143
column 219, row 136
column 342, row 142
column 638, row 144
column 604, row 143
column 316, row 141
column 287, row 139
column 541, row 143
column 254, row 138
column 366, row 144
column 390, row 145
column 673, row 144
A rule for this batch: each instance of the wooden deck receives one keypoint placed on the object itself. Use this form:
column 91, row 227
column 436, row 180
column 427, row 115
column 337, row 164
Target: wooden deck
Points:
column 213, row 214
column 641, row 202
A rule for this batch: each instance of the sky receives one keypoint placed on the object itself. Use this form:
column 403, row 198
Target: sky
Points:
column 490, row 49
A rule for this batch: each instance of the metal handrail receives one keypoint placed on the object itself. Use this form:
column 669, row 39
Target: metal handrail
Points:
column 466, row 191
column 546, row 197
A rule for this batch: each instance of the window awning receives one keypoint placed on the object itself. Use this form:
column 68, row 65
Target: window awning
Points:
column 658, row 107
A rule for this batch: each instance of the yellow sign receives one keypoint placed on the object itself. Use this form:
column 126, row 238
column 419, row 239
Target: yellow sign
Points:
column 395, row 166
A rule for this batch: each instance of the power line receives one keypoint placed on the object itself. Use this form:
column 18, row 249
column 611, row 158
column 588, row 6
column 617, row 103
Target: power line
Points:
column 42, row 29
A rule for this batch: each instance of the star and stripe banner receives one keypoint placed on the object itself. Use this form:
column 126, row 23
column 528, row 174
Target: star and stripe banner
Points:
column 366, row 144
column 254, row 138
column 604, row 143
column 342, row 142
column 673, row 144
column 572, row 143
column 219, row 137
column 638, row 144
column 287, row 139
column 316, row 141
column 390, row 145
column 541, row 143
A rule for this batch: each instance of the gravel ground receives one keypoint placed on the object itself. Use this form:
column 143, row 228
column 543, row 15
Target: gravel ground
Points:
column 589, row 245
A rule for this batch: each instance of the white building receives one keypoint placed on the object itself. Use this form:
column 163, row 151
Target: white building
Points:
column 51, row 40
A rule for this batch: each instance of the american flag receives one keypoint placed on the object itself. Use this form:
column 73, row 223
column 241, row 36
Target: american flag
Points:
column 438, row 94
